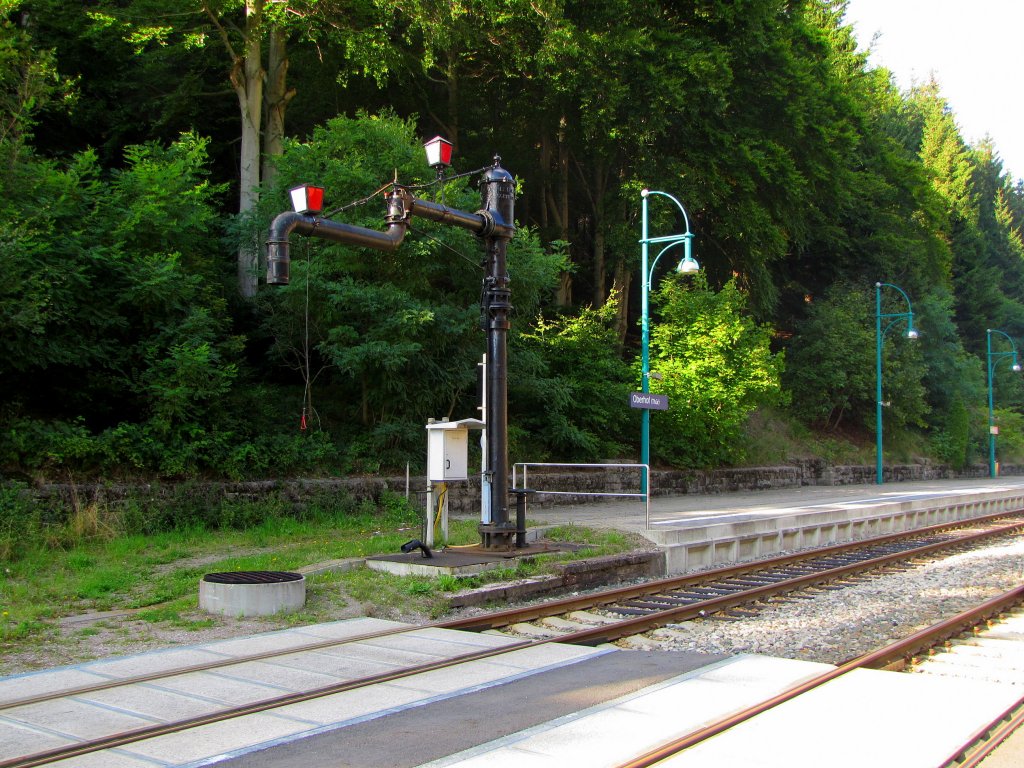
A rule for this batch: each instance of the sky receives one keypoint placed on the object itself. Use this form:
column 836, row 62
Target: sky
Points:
column 973, row 49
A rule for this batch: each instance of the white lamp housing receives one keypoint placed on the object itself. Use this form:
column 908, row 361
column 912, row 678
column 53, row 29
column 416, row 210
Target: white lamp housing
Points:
column 688, row 266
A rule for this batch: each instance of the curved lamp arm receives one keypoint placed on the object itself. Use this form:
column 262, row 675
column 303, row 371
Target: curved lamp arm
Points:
column 686, row 219
column 1015, row 366
column 897, row 316
column 688, row 264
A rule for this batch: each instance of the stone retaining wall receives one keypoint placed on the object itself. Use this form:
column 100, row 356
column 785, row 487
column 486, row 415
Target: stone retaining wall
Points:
column 464, row 497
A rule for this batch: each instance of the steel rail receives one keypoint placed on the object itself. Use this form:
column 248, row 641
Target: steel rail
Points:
column 876, row 659
column 989, row 738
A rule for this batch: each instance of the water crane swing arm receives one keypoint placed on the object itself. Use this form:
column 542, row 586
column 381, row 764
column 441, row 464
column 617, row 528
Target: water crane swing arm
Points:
column 402, row 205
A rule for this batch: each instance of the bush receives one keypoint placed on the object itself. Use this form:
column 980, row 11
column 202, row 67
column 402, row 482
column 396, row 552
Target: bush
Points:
column 716, row 368
column 569, row 397
column 19, row 521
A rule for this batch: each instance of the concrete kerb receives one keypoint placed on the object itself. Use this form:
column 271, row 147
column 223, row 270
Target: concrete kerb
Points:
column 703, row 546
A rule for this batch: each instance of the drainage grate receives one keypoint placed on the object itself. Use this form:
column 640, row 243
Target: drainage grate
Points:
column 252, row 577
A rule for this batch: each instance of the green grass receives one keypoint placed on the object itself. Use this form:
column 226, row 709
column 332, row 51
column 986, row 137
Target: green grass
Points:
column 62, row 574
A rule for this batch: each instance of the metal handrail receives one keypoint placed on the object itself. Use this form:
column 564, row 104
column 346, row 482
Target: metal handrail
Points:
column 644, row 468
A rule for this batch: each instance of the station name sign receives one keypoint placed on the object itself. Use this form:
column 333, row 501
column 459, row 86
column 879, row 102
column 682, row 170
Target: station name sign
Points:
column 648, row 401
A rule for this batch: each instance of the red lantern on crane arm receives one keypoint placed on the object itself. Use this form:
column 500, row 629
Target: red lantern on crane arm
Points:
column 307, row 199
column 439, row 153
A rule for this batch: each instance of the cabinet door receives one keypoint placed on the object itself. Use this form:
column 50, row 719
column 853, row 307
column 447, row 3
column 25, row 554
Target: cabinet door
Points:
column 456, row 454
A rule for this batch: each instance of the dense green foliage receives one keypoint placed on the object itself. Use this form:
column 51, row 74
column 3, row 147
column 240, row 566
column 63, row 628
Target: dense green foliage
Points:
column 130, row 203
column 570, row 387
column 716, row 366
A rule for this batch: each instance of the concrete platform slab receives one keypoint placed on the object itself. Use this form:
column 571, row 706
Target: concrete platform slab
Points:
column 155, row 661
column 152, row 703
column 19, row 687
column 349, row 707
column 913, row 721
column 339, row 630
column 696, row 531
column 19, row 738
column 216, row 739
column 459, row 637
column 440, row 647
column 73, row 719
column 340, row 666
column 108, row 759
column 290, row 679
column 466, row 677
column 613, row 732
column 219, row 688
column 412, row 735
column 549, row 655
column 1002, row 634
column 381, row 656
column 270, row 641
column 459, row 561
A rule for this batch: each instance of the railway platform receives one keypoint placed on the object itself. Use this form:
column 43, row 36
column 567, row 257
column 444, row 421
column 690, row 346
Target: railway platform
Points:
column 696, row 531
column 866, row 717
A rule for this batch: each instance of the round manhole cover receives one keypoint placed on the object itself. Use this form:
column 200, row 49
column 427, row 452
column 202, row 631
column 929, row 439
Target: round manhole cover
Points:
column 252, row 577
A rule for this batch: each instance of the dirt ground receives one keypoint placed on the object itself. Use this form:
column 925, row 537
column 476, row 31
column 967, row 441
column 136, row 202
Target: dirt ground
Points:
column 90, row 636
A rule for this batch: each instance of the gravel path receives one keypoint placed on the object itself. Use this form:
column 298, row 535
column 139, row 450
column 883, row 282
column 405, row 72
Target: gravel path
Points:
column 836, row 625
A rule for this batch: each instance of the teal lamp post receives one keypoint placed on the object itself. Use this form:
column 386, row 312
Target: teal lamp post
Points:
column 993, row 361
column 893, row 318
column 687, row 266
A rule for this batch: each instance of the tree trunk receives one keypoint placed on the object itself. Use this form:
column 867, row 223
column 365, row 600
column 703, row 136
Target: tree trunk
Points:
column 623, row 279
column 452, row 79
column 597, row 201
column 563, row 298
column 599, row 282
column 247, row 79
column 545, row 179
column 276, row 99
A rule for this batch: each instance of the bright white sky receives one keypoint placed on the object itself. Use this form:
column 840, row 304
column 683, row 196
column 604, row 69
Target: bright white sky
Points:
column 974, row 49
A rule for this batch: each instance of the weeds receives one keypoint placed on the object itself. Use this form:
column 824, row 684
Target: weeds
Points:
column 82, row 565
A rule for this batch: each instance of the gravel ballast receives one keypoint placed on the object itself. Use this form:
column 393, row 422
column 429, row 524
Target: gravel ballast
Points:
column 835, row 625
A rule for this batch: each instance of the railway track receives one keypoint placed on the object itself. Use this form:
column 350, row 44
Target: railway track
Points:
column 961, row 631
column 990, row 650
column 635, row 609
column 642, row 607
